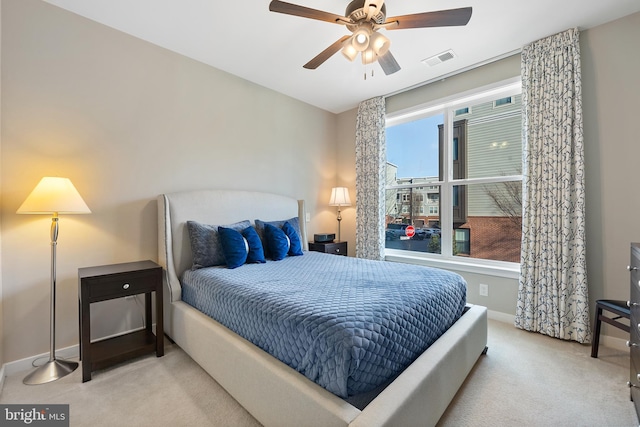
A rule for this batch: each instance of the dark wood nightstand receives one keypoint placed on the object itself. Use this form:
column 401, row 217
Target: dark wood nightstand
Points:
column 335, row 248
column 117, row 281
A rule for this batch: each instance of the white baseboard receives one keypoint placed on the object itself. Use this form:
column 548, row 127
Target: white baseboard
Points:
column 69, row 353
column 29, row 363
column 501, row 317
column 605, row 340
column 613, row 342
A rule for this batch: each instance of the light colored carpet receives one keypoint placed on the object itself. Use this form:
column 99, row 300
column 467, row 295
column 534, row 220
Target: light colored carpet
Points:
column 528, row 379
column 168, row 391
column 525, row 379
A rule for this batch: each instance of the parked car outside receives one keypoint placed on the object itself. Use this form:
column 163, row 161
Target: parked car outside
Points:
column 421, row 234
column 395, row 231
column 432, row 231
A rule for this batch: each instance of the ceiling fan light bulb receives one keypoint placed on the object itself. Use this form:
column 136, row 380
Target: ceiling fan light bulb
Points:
column 349, row 51
column 379, row 43
column 360, row 40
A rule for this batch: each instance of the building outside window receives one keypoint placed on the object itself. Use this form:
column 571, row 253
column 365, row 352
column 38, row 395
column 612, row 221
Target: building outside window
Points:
column 460, row 174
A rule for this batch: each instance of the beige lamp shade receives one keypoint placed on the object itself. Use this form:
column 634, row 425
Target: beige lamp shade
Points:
column 54, row 195
column 340, row 197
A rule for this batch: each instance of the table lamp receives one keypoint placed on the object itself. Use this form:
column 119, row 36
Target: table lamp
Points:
column 339, row 197
column 53, row 196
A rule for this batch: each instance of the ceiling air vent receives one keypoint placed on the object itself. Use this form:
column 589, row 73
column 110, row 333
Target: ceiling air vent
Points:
column 439, row 58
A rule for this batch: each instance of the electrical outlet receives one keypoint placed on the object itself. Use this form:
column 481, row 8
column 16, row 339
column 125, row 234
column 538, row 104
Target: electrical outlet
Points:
column 484, row 290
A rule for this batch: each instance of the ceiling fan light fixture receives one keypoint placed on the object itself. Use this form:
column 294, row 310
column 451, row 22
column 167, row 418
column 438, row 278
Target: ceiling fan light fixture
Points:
column 379, row 43
column 360, row 39
column 348, row 50
column 369, row 56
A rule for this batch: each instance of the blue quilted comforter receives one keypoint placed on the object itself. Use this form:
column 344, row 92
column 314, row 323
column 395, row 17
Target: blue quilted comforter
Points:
column 347, row 324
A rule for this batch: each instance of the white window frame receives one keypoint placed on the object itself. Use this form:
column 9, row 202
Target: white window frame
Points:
column 447, row 107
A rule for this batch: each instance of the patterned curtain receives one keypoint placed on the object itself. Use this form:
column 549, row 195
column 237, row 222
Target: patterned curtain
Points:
column 552, row 293
column 371, row 161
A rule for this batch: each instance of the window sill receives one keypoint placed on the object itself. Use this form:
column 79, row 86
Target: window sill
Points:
column 508, row 270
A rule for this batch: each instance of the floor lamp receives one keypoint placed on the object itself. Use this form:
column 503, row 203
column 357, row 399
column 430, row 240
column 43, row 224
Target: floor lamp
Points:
column 339, row 197
column 53, row 196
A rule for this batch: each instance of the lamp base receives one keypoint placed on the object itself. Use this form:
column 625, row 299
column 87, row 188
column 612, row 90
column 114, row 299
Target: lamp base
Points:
column 50, row 371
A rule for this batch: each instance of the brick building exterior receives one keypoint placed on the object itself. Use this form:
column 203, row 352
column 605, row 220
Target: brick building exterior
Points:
column 495, row 238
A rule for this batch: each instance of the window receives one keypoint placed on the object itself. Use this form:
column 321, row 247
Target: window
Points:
column 471, row 170
column 462, row 239
column 503, row 101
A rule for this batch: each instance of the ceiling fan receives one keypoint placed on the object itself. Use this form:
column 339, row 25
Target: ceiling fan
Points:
column 364, row 18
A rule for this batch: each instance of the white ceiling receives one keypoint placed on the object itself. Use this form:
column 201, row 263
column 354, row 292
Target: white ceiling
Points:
column 267, row 48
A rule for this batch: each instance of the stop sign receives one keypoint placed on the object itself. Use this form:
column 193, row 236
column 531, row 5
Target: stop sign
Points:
column 410, row 231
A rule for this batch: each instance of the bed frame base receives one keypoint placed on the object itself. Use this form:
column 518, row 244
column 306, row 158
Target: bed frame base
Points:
column 274, row 393
column 277, row 395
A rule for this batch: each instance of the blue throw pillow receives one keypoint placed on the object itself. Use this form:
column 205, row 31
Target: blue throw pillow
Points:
column 256, row 253
column 295, row 223
column 234, row 247
column 277, row 242
column 295, row 248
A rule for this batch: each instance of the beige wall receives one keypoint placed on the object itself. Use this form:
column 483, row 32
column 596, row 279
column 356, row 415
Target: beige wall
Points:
column 506, row 68
column 610, row 94
column 346, row 174
column 126, row 121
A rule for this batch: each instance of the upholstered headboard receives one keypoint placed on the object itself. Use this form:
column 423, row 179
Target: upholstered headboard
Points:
column 213, row 207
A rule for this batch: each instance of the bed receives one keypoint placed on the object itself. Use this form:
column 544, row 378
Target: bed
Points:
column 274, row 393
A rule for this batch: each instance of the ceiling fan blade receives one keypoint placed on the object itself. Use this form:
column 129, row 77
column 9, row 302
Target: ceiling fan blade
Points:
column 325, row 54
column 441, row 18
column 388, row 63
column 305, row 12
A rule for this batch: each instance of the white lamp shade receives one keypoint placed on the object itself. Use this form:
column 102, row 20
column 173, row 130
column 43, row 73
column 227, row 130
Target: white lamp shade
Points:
column 340, row 197
column 54, row 195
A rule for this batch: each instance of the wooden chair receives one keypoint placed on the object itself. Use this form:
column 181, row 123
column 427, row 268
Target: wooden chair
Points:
column 619, row 309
